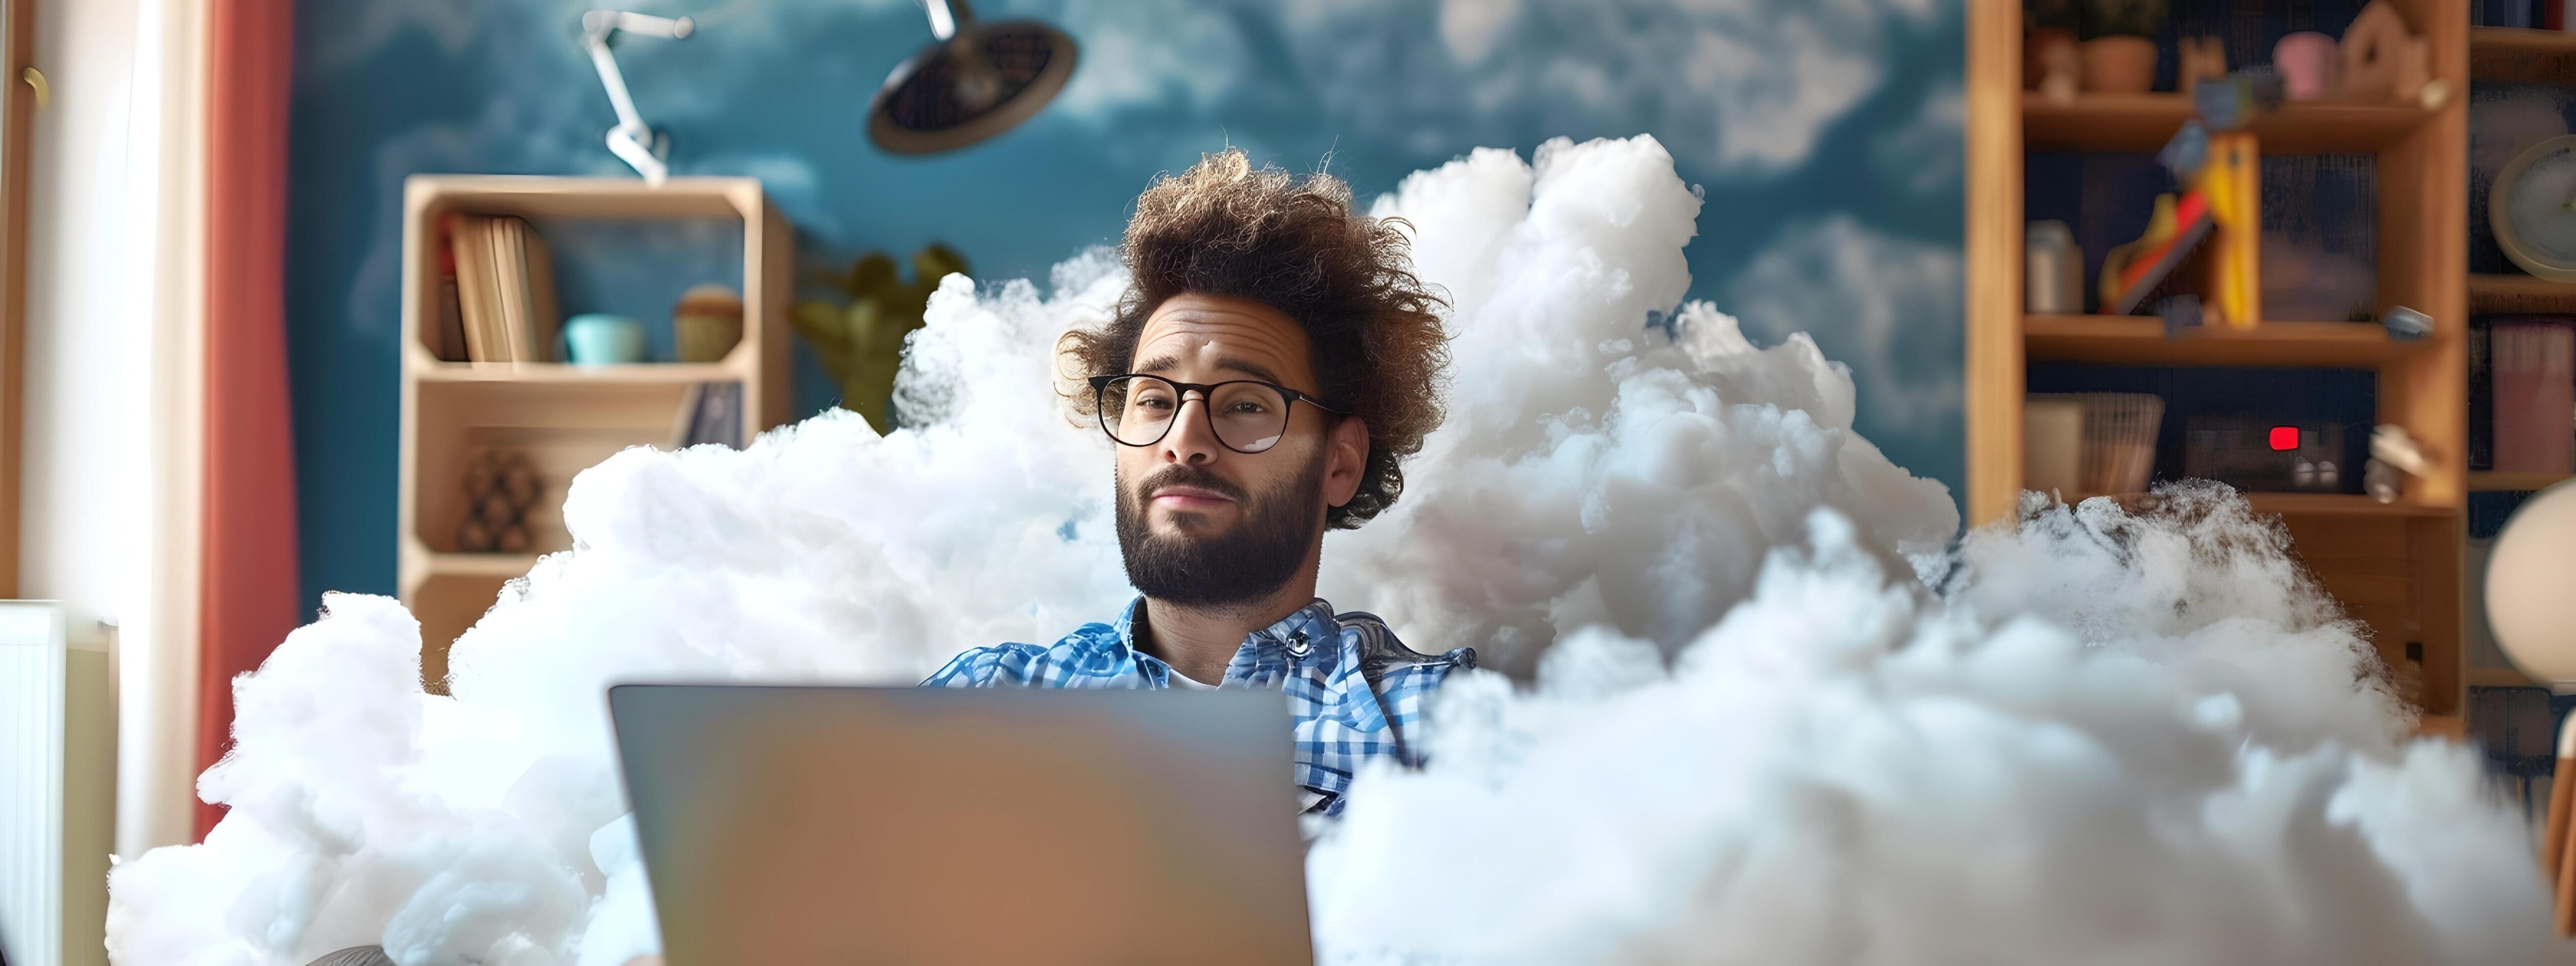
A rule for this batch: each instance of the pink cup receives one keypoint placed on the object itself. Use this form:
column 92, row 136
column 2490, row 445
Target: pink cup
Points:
column 2306, row 62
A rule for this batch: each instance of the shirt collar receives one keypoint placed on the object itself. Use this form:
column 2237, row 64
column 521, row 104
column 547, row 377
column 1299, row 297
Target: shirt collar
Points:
column 1309, row 635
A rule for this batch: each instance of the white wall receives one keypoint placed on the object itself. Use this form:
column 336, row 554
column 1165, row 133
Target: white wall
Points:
column 114, row 282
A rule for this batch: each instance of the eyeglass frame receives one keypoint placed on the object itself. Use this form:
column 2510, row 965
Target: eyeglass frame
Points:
column 1207, row 393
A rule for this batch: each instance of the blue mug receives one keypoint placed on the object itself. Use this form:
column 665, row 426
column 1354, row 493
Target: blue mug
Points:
column 598, row 339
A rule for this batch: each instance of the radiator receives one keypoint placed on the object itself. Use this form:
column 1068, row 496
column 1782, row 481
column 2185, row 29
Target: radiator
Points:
column 57, row 790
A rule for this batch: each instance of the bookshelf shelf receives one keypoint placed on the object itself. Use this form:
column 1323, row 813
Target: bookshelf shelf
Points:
column 2517, row 55
column 503, row 566
column 566, row 374
column 560, row 418
column 2498, row 677
column 2450, row 726
column 2137, row 339
column 2343, row 505
column 2397, row 568
column 2511, row 482
column 2142, row 123
column 2303, row 505
column 2504, row 294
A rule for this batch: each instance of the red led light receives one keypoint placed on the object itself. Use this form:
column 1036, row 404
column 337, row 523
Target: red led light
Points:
column 2285, row 438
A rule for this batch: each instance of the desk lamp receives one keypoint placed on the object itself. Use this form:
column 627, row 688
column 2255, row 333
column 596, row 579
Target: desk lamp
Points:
column 2531, row 607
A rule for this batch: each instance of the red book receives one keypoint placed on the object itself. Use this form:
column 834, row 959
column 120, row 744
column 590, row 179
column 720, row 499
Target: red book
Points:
column 2535, row 395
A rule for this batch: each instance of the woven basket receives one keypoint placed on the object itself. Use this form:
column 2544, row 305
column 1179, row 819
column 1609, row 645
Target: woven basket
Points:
column 2120, row 440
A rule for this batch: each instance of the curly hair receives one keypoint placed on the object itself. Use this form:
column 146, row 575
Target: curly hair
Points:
column 1228, row 229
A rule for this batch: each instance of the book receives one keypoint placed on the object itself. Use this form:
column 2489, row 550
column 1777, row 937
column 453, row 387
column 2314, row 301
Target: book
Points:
column 2233, row 180
column 510, row 285
column 475, row 308
column 447, row 323
column 505, row 290
column 684, row 421
column 2534, row 365
column 717, row 417
column 2481, row 398
column 710, row 412
column 545, row 318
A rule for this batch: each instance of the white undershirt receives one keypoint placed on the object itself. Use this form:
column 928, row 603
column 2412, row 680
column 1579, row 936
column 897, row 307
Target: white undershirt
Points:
column 1188, row 683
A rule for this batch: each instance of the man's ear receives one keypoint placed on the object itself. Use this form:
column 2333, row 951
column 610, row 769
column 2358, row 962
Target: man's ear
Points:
column 1345, row 458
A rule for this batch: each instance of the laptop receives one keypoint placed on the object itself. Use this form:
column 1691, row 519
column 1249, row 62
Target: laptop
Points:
column 790, row 825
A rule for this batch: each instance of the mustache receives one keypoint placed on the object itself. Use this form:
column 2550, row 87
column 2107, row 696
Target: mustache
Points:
column 1183, row 474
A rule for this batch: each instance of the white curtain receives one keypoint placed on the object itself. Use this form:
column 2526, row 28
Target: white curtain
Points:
column 115, row 309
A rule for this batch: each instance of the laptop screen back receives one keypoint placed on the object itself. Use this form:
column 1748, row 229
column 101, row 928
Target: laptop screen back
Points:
column 901, row 825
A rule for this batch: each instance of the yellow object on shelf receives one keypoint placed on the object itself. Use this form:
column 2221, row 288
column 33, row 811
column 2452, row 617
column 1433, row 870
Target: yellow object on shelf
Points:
column 2233, row 181
column 2160, row 228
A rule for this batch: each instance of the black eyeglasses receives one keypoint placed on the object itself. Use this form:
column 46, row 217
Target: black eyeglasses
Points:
column 1249, row 416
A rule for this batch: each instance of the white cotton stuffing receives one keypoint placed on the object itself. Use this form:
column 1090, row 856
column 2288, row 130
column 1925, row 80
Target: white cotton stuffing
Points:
column 1775, row 717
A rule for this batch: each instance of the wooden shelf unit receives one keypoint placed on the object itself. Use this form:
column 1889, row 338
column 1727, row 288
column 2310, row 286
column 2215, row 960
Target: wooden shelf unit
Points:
column 565, row 418
column 2396, row 567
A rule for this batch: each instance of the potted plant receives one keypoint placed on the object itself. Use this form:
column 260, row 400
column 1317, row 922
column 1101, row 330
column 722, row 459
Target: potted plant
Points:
column 2120, row 52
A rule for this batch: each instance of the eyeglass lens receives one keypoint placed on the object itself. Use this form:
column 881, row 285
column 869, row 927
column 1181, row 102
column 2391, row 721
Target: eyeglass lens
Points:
column 1248, row 417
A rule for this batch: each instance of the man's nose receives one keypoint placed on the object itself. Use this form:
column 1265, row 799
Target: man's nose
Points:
column 1193, row 436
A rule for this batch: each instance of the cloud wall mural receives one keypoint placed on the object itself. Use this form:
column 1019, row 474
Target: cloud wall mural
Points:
column 1824, row 137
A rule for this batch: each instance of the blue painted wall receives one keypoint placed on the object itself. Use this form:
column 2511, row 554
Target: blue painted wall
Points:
column 1825, row 132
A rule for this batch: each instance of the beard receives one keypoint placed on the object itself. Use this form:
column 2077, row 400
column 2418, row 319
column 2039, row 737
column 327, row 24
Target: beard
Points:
column 1244, row 563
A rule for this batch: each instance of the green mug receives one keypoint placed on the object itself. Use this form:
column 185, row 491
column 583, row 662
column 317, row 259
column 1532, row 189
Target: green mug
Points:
column 599, row 339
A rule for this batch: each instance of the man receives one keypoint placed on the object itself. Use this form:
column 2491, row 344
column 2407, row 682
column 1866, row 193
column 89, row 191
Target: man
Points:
column 1273, row 361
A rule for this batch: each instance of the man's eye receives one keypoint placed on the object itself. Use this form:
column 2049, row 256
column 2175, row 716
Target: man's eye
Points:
column 1250, row 407
column 1154, row 402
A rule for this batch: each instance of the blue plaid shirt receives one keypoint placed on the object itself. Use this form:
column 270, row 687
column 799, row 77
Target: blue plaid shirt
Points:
column 1324, row 663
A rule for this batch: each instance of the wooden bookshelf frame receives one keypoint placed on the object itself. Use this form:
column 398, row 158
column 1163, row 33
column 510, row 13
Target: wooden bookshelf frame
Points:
column 2397, row 567
column 566, row 417
column 17, row 125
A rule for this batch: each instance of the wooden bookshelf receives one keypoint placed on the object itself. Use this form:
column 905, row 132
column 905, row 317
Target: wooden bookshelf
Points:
column 564, row 418
column 2397, row 567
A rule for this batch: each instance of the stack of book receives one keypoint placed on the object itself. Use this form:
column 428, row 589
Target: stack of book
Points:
column 496, row 292
column 2535, row 14
column 2522, row 395
column 710, row 412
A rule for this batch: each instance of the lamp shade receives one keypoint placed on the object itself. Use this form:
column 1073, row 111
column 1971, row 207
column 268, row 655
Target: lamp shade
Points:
column 2531, row 588
column 977, row 83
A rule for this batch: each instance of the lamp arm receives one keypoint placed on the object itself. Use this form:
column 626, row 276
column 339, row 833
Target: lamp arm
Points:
column 946, row 16
column 609, row 77
column 631, row 138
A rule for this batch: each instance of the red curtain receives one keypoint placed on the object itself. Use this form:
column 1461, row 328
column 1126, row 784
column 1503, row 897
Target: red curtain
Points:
column 249, row 587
